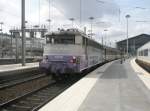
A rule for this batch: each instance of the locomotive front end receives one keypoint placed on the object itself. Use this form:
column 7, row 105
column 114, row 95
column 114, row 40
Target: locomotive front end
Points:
column 60, row 64
column 61, row 54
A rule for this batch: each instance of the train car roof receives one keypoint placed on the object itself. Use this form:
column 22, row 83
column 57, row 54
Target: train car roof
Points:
column 145, row 46
column 74, row 31
column 68, row 31
column 71, row 32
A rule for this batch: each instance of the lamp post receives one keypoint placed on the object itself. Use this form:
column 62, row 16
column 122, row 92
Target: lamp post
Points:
column 1, row 23
column 127, row 17
column 49, row 14
column 49, row 26
column 102, row 41
column 105, row 36
column 91, row 19
column 104, row 46
column 1, row 29
column 39, row 12
column 80, row 13
column 72, row 20
column 23, row 32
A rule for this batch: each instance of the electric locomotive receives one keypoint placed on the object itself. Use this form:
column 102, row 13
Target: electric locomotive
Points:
column 71, row 52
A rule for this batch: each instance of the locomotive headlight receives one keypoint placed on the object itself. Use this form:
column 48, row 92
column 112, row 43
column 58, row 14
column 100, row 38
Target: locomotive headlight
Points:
column 75, row 60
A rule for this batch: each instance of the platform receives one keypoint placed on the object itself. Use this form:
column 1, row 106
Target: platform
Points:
column 14, row 68
column 112, row 87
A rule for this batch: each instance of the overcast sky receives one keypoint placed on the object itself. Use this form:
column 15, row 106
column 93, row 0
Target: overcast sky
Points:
column 106, row 14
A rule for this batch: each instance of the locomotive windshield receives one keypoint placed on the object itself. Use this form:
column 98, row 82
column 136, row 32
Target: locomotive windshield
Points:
column 60, row 39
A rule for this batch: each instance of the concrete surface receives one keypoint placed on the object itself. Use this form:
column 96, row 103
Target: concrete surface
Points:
column 112, row 87
column 72, row 98
column 118, row 89
column 17, row 68
column 142, row 74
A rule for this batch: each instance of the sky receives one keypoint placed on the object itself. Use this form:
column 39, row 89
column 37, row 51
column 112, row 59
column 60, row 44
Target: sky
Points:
column 108, row 15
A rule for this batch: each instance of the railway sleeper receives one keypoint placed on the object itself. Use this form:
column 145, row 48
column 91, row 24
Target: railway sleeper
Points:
column 30, row 104
column 40, row 96
column 20, row 107
column 33, row 99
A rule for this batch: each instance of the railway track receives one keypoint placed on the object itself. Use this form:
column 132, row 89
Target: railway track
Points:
column 11, row 78
column 10, row 92
column 144, row 65
column 32, row 101
column 12, row 82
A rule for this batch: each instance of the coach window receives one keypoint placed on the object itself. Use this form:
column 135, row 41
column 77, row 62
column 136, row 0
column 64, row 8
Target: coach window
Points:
column 139, row 53
column 146, row 52
column 78, row 40
column 142, row 53
column 83, row 41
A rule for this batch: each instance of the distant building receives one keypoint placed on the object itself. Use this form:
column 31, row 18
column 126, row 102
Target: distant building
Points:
column 10, row 46
column 134, row 43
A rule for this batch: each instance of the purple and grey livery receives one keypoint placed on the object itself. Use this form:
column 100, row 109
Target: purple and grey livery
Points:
column 60, row 64
column 72, row 51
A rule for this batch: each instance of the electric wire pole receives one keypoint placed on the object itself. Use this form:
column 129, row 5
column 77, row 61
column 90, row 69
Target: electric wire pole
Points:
column 23, row 32
column 127, row 17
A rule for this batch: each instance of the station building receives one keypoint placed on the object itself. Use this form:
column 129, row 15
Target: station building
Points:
column 10, row 46
column 134, row 43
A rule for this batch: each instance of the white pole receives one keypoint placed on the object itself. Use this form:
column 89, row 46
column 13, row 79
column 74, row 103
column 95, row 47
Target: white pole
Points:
column 127, row 39
column 80, row 14
column 23, row 33
column 49, row 15
column 91, row 18
column 127, row 17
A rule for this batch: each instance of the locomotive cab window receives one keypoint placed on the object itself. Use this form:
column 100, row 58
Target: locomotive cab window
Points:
column 61, row 39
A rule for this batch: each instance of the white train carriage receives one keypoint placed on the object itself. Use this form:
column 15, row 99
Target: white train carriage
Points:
column 143, row 53
column 111, row 53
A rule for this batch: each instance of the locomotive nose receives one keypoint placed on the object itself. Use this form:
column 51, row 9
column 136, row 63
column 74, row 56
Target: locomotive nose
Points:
column 61, row 64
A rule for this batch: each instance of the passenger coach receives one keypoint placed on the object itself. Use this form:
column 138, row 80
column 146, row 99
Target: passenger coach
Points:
column 143, row 54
